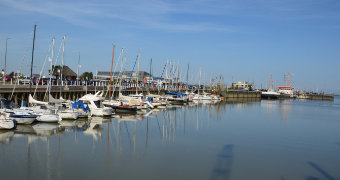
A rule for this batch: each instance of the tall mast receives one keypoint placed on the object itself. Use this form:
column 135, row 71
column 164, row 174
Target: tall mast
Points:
column 187, row 74
column 62, row 61
column 35, row 28
column 113, row 53
column 121, row 69
column 78, row 66
column 284, row 75
column 151, row 67
column 271, row 82
column 166, row 75
column 204, row 82
column 137, row 72
column 51, row 59
column 5, row 59
column 288, row 80
column 199, row 84
column 177, row 75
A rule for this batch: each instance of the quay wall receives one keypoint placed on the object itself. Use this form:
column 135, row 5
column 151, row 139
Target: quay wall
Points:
column 321, row 97
column 240, row 94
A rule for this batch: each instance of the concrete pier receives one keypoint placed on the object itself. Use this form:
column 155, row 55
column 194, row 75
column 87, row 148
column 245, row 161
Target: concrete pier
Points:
column 322, row 97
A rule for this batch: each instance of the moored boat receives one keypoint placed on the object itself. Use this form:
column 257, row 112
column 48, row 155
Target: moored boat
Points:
column 82, row 109
column 95, row 102
column 49, row 118
column 7, row 124
column 270, row 94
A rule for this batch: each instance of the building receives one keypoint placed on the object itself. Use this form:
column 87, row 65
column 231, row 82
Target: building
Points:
column 125, row 75
column 66, row 71
column 241, row 85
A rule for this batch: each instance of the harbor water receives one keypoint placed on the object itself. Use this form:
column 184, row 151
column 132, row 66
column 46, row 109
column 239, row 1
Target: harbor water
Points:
column 263, row 140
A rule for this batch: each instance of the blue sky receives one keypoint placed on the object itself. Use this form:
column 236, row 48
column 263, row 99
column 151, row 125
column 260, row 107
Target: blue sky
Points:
column 243, row 40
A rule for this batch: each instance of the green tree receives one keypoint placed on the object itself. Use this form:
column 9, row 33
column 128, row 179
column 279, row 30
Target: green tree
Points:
column 56, row 70
column 86, row 76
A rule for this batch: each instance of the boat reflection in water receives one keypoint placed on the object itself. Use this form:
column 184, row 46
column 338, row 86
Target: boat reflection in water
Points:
column 195, row 141
column 48, row 144
column 6, row 136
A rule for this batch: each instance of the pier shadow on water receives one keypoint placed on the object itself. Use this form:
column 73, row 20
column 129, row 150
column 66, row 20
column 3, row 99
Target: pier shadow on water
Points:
column 222, row 168
column 325, row 174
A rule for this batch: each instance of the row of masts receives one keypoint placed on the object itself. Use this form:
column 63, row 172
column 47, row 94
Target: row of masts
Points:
column 171, row 70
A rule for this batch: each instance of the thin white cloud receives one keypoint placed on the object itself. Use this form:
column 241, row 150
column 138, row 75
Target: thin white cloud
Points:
column 143, row 14
column 168, row 15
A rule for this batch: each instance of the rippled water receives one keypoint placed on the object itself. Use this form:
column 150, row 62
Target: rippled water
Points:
column 232, row 141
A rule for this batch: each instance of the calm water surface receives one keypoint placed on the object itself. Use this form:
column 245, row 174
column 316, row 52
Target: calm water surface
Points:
column 232, row 141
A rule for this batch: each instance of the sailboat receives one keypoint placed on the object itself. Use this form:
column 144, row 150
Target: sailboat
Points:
column 201, row 97
column 117, row 105
column 45, row 112
column 63, row 108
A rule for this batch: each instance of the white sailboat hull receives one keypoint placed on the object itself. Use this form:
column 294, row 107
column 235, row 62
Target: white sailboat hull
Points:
column 24, row 120
column 49, row 118
column 106, row 111
column 6, row 124
column 68, row 115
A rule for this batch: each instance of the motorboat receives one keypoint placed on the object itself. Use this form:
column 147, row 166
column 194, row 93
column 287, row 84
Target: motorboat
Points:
column 6, row 123
column 82, row 109
column 270, row 94
column 154, row 99
column 176, row 98
column 95, row 102
column 21, row 116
